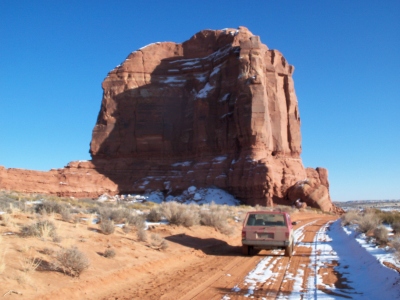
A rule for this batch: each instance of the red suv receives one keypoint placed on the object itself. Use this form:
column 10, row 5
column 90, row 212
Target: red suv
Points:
column 267, row 230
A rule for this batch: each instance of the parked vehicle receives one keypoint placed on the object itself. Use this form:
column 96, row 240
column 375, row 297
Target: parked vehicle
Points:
column 267, row 230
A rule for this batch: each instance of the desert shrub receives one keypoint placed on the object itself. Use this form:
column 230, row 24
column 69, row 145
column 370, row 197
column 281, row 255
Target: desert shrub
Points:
column 389, row 217
column 30, row 264
column 396, row 227
column 141, row 205
column 104, row 212
column 141, row 235
column 120, row 215
column 109, row 253
column 350, row 217
column 40, row 229
column 138, row 221
column 48, row 207
column 180, row 214
column 157, row 242
column 5, row 201
column 57, row 239
column 107, row 226
column 396, row 243
column 368, row 222
column 5, row 219
column 47, row 251
column 66, row 214
column 72, row 261
column 381, row 235
column 154, row 215
column 217, row 217
column 126, row 228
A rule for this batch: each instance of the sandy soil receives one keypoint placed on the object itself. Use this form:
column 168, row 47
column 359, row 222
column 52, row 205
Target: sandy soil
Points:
column 199, row 263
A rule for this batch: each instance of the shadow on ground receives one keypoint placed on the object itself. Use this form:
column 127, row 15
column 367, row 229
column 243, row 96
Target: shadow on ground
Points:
column 209, row 246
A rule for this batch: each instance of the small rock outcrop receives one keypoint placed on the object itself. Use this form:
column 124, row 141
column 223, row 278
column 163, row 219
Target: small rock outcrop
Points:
column 217, row 110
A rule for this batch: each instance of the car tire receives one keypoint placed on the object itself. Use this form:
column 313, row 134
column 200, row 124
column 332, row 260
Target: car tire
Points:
column 289, row 249
column 245, row 250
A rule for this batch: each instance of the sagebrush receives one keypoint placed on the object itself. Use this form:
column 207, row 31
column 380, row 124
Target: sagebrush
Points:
column 43, row 229
column 72, row 261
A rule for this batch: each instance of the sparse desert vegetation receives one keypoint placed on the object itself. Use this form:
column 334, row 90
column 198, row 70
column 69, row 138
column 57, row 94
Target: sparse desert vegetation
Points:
column 372, row 223
column 56, row 235
column 44, row 243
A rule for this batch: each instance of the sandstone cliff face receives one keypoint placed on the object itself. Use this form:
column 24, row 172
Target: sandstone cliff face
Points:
column 78, row 179
column 217, row 110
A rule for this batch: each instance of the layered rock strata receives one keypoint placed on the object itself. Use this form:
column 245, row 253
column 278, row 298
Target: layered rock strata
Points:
column 217, row 110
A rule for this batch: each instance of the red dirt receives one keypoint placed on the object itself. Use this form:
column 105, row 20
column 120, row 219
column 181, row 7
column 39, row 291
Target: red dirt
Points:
column 200, row 263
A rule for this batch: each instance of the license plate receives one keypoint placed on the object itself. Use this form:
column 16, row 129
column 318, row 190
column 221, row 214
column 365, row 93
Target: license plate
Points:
column 265, row 235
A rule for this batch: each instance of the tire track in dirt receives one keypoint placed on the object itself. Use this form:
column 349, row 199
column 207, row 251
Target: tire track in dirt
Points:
column 220, row 271
column 283, row 274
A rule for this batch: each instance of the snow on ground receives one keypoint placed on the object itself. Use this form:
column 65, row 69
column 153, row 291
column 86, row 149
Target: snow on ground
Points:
column 381, row 254
column 363, row 275
column 191, row 195
column 204, row 196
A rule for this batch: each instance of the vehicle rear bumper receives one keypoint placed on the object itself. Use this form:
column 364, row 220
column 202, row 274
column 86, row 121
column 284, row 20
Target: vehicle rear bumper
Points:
column 266, row 244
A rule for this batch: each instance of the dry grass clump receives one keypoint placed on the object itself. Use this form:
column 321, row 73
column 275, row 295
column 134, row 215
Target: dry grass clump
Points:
column 350, row 217
column 136, row 220
column 141, row 235
column 42, row 229
column 126, row 229
column 118, row 215
column 389, row 217
column 395, row 243
column 49, row 207
column 368, row 222
column 157, row 242
column 216, row 216
column 155, row 215
column 30, row 264
column 180, row 214
column 72, row 261
column 5, row 219
column 109, row 253
column 107, row 227
column 66, row 214
column 396, row 227
column 381, row 235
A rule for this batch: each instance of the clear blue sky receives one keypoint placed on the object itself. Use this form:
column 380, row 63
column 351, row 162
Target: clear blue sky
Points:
column 54, row 56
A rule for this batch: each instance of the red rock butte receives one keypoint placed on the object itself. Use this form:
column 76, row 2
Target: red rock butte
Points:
column 217, row 110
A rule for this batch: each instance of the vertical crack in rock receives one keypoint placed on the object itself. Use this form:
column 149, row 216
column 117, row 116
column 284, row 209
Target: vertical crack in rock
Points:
column 288, row 108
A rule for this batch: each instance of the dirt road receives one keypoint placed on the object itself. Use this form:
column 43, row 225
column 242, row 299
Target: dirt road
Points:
column 199, row 263
column 216, row 270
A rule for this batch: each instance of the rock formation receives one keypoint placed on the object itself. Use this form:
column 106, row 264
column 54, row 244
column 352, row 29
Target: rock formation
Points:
column 217, row 110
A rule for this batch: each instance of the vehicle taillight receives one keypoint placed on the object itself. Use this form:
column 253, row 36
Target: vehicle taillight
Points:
column 287, row 234
column 243, row 234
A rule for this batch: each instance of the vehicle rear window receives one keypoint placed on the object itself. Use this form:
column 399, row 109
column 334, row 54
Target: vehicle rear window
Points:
column 265, row 220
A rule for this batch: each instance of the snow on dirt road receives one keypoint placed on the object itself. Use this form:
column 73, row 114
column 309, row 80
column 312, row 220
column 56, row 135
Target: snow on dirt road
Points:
column 331, row 265
column 202, row 263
